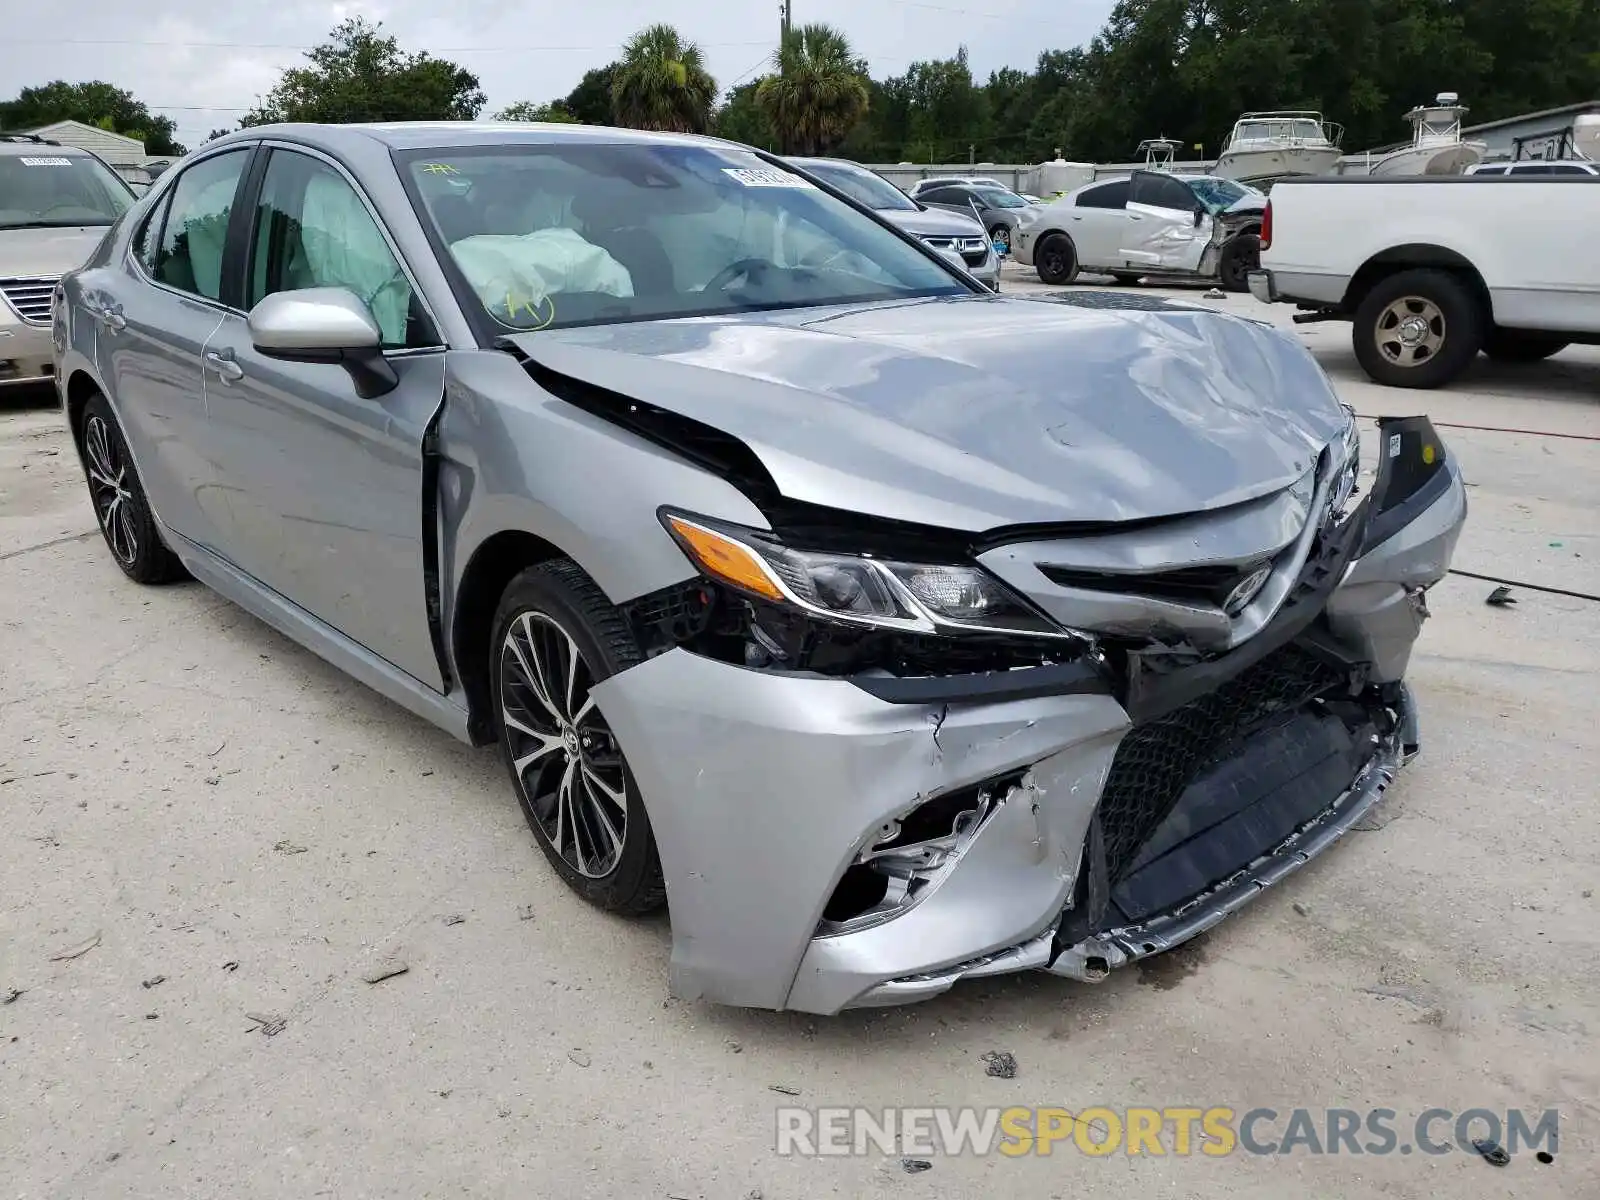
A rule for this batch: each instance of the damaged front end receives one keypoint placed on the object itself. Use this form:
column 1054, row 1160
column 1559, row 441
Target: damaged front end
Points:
column 909, row 762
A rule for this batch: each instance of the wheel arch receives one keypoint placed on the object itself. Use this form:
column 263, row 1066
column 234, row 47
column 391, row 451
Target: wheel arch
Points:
column 1412, row 256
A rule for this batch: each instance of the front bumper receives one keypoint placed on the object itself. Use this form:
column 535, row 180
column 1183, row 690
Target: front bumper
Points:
column 27, row 353
column 765, row 788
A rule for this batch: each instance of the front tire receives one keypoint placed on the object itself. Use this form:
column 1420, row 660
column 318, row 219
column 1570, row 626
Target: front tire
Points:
column 555, row 637
column 1056, row 259
column 120, row 507
column 1418, row 329
column 1240, row 256
column 1516, row 345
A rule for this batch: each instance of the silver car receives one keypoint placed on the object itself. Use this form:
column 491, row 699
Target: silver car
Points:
column 889, row 631
column 56, row 203
column 952, row 233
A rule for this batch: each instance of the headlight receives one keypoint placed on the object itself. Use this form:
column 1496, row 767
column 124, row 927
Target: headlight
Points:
column 916, row 597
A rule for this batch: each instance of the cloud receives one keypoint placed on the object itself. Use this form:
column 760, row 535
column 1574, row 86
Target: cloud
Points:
column 205, row 63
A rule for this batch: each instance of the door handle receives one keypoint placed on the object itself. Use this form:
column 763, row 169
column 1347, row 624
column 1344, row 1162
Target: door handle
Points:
column 110, row 316
column 225, row 367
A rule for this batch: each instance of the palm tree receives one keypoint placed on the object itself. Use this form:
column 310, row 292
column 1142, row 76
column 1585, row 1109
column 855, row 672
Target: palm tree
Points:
column 662, row 83
column 819, row 92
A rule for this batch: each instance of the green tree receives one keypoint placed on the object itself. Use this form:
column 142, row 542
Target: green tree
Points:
column 740, row 118
column 361, row 75
column 526, row 110
column 949, row 116
column 819, row 93
column 662, row 83
column 590, row 102
column 96, row 103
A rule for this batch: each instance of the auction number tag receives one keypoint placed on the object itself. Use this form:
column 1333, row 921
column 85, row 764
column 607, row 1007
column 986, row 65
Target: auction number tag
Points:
column 765, row 177
column 46, row 162
column 1394, row 445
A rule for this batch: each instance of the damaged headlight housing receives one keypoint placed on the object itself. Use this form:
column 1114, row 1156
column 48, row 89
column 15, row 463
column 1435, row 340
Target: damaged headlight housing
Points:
column 1346, row 485
column 857, row 589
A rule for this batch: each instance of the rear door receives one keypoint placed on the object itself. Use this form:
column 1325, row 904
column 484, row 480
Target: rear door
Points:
column 1163, row 231
column 155, row 316
column 1098, row 221
column 325, row 488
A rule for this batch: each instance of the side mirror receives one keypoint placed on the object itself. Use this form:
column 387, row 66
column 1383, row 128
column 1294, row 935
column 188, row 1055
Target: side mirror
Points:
column 324, row 325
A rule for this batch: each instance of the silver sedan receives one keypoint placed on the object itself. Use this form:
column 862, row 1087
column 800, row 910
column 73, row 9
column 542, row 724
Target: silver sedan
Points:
column 889, row 631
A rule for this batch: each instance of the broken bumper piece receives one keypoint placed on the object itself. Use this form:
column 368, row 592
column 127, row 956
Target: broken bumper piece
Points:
column 831, row 843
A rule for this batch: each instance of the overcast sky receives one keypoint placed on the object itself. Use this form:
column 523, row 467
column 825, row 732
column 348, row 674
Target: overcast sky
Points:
column 203, row 62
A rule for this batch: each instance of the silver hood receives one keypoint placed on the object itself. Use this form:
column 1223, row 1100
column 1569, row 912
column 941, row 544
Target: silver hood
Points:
column 50, row 251
column 933, row 222
column 973, row 413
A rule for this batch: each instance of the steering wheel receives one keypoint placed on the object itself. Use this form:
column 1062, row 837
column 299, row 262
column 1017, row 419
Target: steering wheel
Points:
column 748, row 267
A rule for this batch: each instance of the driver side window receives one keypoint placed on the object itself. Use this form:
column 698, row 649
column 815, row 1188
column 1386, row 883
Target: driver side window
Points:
column 313, row 230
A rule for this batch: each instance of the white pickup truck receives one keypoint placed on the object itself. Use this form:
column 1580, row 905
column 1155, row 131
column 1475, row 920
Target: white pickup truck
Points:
column 1433, row 270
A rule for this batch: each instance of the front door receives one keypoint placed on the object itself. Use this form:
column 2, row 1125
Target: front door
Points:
column 155, row 317
column 325, row 488
column 1098, row 219
column 1163, row 232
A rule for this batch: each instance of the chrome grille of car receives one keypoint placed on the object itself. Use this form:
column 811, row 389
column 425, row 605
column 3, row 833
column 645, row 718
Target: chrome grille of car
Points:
column 30, row 297
column 973, row 250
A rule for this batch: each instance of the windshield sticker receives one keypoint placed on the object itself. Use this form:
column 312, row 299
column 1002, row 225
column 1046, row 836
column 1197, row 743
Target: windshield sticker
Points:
column 46, row 162
column 765, row 177
column 439, row 169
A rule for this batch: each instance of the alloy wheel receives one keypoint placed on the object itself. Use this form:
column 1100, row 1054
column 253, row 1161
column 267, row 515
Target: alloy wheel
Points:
column 109, row 488
column 566, row 760
column 1410, row 331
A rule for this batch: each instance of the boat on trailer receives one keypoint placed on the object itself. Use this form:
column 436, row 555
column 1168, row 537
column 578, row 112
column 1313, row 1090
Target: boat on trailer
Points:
column 1436, row 146
column 1158, row 153
column 1267, row 146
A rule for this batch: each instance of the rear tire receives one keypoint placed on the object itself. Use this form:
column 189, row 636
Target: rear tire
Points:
column 555, row 637
column 1418, row 328
column 1240, row 256
column 1056, row 259
column 1517, row 345
column 120, row 507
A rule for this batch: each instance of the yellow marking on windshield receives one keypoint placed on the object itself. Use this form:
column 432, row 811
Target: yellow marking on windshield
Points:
column 439, row 169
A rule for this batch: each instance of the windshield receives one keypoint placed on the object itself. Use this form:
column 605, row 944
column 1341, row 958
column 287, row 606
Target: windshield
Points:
column 862, row 186
column 998, row 197
column 577, row 234
column 48, row 189
column 1218, row 194
column 1261, row 131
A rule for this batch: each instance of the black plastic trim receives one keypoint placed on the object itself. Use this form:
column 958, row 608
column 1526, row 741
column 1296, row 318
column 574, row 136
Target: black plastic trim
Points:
column 1391, row 521
column 992, row 687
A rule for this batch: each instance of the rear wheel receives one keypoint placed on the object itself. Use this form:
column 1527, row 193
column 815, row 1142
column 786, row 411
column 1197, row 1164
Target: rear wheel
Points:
column 1418, row 329
column 1056, row 259
column 120, row 507
column 1516, row 345
column 1240, row 256
column 556, row 637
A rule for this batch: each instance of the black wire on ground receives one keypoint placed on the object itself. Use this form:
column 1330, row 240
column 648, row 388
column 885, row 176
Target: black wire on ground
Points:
column 1532, row 587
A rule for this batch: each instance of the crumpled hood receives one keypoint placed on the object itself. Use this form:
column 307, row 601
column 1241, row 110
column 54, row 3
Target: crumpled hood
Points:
column 973, row 413
column 31, row 252
column 933, row 222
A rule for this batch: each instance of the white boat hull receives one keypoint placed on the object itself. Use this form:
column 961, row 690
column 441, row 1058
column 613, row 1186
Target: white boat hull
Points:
column 1451, row 159
column 1276, row 162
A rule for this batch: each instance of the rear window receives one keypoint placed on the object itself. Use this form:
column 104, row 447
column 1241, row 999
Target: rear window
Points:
column 47, row 188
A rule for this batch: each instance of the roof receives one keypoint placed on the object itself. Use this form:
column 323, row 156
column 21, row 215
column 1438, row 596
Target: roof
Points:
column 1564, row 111
column 40, row 149
column 424, row 135
column 60, row 129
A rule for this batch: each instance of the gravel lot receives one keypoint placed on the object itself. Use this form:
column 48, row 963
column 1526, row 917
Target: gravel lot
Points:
column 230, row 816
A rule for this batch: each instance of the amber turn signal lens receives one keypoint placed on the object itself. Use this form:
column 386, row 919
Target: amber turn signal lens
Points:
column 725, row 559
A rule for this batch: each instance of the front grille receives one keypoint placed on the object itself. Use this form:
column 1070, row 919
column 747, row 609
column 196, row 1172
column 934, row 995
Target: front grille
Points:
column 1157, row 760
column 30, row 297
column 973, row 250
column 1185, row 585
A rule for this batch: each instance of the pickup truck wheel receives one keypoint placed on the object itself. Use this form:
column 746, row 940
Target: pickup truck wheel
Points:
column 1418, row 329
column 1240, row 256
column 556, row 636
column 1516, row 345
column 1056, row 259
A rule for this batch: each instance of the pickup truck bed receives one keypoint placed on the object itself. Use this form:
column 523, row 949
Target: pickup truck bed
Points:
column 1432, row 270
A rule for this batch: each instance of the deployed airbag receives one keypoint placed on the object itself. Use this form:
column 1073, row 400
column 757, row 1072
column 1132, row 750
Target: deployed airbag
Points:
column 517, row 275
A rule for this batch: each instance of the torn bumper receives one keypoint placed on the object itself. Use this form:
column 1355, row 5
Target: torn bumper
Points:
column 767, row 790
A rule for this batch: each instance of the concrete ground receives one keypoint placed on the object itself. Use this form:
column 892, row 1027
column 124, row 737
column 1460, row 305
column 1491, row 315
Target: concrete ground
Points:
column 238, row 829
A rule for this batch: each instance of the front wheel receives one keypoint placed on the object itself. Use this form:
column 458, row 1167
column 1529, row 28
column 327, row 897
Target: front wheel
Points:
column 1418, row 328
column 556, row 637
column 124, row 515
column 1056, row 259
column 1516, row 345
column 1240, row 256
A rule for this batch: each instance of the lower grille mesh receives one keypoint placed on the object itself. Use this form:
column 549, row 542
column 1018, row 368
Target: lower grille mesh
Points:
column 1157, row 760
